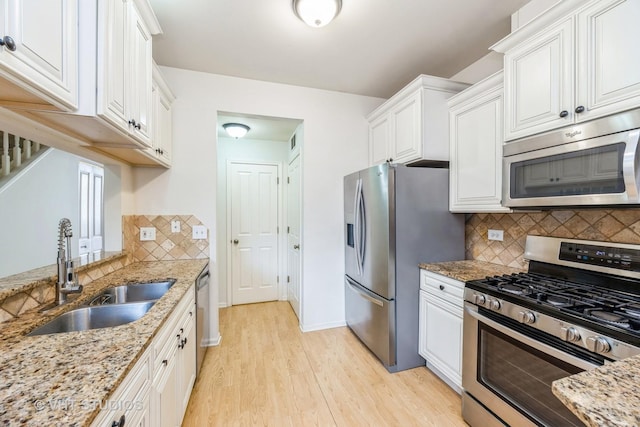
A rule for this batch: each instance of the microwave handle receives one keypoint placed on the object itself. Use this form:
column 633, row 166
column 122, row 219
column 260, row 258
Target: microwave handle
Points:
column 630, row 165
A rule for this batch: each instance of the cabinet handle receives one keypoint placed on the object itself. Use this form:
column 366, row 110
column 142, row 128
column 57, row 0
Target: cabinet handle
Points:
column 137, row 126
column 132, row 122
column 564, row 113
column 579, row 109
column 190, row 313
column 181, row 330
column 165, row 362
column 8, row 42
column 296, row 246
column 390, row 160
column 119, row 423
column 442, row 287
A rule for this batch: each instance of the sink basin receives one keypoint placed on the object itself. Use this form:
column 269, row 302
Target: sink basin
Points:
column 104, row 316
column 132, row 293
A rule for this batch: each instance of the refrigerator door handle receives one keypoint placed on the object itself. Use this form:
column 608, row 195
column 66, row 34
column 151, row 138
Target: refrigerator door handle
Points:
column 357, row 225
column 363, row 229
column 363, row 294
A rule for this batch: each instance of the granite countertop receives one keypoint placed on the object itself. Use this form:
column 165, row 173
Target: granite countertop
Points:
column 606, row 396
column 468, row 269
column 63, row 378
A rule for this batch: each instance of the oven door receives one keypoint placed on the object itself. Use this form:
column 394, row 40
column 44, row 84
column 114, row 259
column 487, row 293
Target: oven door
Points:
column 508, row 369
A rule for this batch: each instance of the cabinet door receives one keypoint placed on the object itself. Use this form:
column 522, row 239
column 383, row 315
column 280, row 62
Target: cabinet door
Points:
column 113, row 63
column 406, row 128
column 379, row 140
column 443, row 326
column 538, row 82
column 167, row 403
column 140, row 76
column 165, row 126
column 476, row 155
column 608, row 70
column 46, row 38
column 187, row 364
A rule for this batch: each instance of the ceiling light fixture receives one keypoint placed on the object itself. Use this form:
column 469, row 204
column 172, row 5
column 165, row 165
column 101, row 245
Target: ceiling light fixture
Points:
column 317, row 13
column 236, row 130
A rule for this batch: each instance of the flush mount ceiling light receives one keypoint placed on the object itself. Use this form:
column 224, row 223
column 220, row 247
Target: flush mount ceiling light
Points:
column 236, row 130
column 317, row 13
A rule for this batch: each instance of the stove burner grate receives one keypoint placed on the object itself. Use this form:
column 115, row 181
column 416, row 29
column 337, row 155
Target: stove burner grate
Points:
column 609, row 317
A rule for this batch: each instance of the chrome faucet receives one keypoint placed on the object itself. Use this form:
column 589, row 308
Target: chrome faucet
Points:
column 67, row 278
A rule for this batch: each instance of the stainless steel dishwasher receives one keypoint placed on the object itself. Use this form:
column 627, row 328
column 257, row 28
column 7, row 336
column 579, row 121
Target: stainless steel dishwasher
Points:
column 202, row 316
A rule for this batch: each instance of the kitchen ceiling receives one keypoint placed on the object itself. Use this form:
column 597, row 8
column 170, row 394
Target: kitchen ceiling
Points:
column 374, row 47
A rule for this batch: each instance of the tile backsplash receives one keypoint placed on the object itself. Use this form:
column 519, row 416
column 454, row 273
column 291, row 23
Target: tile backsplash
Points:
column 167, row 245
column 609, row 225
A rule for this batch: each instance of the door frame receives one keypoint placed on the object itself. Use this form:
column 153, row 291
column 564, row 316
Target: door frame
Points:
column 281, row 267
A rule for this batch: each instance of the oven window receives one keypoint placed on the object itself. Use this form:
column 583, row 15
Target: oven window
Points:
column 522, row 376
column 593, row 171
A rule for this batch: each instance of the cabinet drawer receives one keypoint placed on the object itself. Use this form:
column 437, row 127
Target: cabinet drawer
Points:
column 167, row 340
column 448, row 289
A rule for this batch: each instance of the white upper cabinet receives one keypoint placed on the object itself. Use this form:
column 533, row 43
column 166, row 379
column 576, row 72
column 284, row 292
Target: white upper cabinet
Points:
column 475, row 135
column 124, row 70
column 575, row 62
column 161, row 137
column 411, row 125
column 539, row 82
column 38, row 56
column 608, row 61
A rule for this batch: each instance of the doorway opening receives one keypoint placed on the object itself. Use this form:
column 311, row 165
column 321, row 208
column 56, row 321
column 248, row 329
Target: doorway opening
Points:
column 259, row 201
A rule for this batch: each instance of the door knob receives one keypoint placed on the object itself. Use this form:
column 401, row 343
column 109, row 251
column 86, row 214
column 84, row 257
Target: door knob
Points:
column 8, row 42
column 235, row 241
column 296, row 246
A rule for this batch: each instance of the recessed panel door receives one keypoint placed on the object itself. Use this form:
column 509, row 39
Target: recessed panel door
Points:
column 254, row 238
column 293, row 236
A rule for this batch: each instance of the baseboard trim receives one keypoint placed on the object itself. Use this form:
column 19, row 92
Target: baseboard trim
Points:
column 212, row 342
column 222, row 305
column 321, row 326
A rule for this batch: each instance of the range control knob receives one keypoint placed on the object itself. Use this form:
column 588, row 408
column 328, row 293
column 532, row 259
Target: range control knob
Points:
column 479, row 299
column 494, row 304
column 526, row 317
column 570, row 334
column 598, row 345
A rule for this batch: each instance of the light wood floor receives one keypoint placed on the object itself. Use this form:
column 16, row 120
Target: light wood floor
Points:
column 267, row 373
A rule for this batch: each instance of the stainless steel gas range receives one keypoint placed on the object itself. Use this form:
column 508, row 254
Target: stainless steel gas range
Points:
column 577, row 308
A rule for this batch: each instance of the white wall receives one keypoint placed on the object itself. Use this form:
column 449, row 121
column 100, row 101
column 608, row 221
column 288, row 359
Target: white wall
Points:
column 242, row 150
column 35, row 201
column 335, row 144
column 491, row 63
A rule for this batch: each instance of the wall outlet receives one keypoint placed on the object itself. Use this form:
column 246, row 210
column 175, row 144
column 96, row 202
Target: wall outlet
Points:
column 496, row 235
column 175, row 226
column 199, row 232
column 147, row 233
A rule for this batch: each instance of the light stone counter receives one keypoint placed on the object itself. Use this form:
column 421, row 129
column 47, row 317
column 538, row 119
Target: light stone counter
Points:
column 80, row 368
column 469, row 269
column 605, row 396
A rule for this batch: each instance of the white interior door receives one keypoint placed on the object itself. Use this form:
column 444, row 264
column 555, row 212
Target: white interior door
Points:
column 91, row 229
column 293, row 236
column 254, row 232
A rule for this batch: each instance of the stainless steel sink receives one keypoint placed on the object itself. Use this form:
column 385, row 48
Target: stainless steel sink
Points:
column 104, row 316
column 132, row 293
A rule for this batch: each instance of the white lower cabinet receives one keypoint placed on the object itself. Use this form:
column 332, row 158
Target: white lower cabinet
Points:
column 440, row 332
column 174, row 354
column 157, row 390
column 129, row 404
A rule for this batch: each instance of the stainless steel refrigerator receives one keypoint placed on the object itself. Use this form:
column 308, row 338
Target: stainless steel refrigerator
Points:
column 395, row 218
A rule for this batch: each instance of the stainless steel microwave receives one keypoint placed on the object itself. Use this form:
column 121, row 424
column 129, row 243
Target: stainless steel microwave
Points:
column 596, row 163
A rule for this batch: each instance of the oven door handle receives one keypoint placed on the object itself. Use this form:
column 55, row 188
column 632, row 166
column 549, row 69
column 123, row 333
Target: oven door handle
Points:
column 472, row 311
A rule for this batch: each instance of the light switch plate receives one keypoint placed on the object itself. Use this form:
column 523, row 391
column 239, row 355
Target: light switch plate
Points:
column 199, row 232
column 175, row 226
column 147, row 233
column 495, row 235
